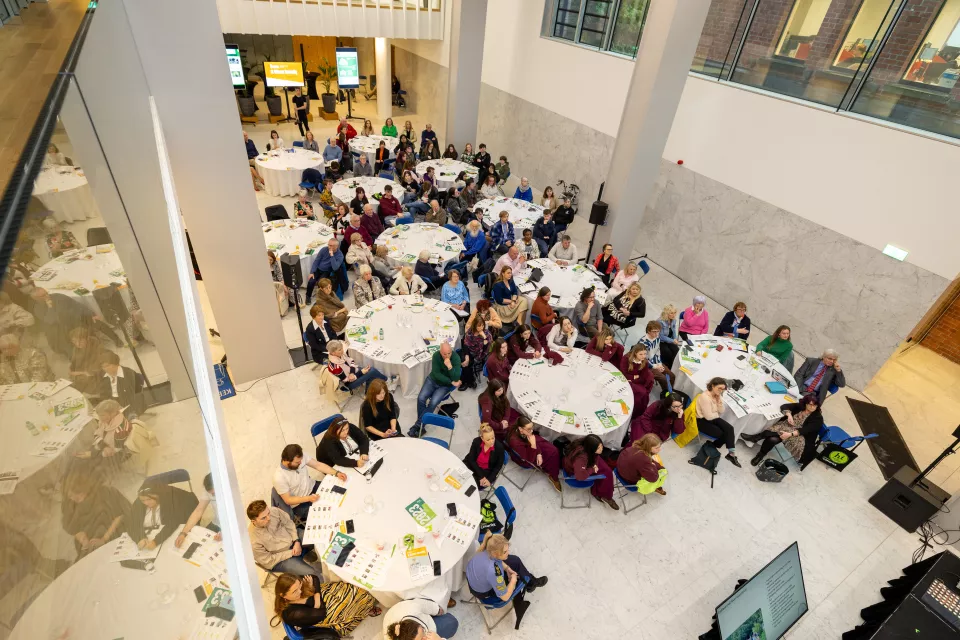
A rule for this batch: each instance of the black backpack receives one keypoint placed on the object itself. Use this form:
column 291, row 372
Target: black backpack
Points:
column 707, row 457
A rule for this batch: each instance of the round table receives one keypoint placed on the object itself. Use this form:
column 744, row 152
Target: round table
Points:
column 65, row 192
column 346, row 190
column 301, row 236
column 404, row 320
column 565, row 283
column 405, row 242
column 77, row 273
column 749, row 410
column 399, row 482
column 370, row 144
column 523, row 214
column 581, row 385
column 447, row 170
column 282, row 170
column 97, row 598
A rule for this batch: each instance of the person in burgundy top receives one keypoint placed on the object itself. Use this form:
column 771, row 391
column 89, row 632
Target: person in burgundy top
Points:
column 663, row 418
column 524, row 344
column 485, row 458
column 371, row 222
column 390, row 207
column 640, row 460
column 636, row 368
column 494, row 408
column 356, row 227
column 583, row 460
column 498, row 365
column 528, row 447
column 604, row 346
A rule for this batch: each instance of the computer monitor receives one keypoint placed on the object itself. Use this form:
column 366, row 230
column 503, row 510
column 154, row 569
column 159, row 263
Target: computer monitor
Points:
column 769, row 604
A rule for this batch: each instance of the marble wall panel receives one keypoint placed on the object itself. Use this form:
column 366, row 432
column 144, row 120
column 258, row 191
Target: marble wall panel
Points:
column 426, row 85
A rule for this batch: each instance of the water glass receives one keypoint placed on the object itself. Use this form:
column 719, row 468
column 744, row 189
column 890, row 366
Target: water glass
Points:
column 369, row 504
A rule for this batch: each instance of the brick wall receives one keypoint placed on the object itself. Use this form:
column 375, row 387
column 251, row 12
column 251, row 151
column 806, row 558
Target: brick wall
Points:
column 944, row 336
column 833, row 30
column 907, row 36
column 722, row 27
column 765, row 32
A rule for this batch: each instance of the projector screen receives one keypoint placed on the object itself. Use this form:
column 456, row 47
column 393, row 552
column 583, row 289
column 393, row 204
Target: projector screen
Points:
column 283, row 74
column 769, row 604
column 236, row 65
column 348, row 68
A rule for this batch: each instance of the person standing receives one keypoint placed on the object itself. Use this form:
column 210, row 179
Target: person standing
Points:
column 445, row 371
column 301, row 102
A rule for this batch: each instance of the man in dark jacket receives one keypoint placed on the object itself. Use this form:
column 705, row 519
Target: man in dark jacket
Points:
column 817, row 375
column 545, row 232
column 122, row 384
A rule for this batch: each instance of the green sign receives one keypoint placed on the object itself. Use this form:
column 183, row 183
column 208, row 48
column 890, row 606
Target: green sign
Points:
column 421, row 513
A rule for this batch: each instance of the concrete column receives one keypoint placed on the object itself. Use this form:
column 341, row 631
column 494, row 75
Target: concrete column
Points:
column 467, row 20
column 384, row 79
column 670, row 38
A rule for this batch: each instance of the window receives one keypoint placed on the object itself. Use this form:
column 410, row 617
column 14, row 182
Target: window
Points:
column 936, row 60
column 802, row 28
column 596, row 19
column 607, row 25
column 629, row 26
column 568, row 16
column 863, row 39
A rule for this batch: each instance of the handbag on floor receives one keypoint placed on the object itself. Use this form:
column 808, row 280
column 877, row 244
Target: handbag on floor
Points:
column 771, row 471
column 449, row 409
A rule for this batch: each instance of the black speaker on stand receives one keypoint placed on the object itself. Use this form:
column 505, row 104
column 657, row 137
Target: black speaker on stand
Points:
column 293, row 278
column 598, row 216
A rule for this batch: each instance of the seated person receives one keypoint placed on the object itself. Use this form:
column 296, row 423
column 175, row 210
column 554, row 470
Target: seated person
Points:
column 379, row 412
column 534, row 450
column 435, row 215
column 495, row 409
column 542, row 309
column 454, row 292
column 583, row 460
column 651, row 340
column 351, row 375
column 709, row 410
column 817, row 375
column 490, row 190
column 293, row 483
column 21, row 364
column 564, row 214
column 663, row 418
column 562, row 337
column 510, row 305
column 366, row 288
column 486, row 311
column 156, row 513
column 797, row 430
column 333, row 308
column 302, row 207
column 779, row 346
column 624, row 309
column 92, row 512
column 545, row 232
column 641, row 461
column 14, row 318
column 474, row 242
column 524, row 192
column 116, row 438
column 85, row 371
column 696, row 320
column 493, row 574
column 528, row 248
column 587, row 313
column 122, row 384
column 623, row 279
column 390, row 207
column 321, row 611
column 362, row 167
column 604, row 346
column 564, row 253
column 276, row 541
column 319, row 333
column 427, row 272
column 408, row 283
column 606, row 264
column 445, row 372
column 735, row 324
column 194, row 519
column 501, row 234
column 419, row 618
column 456, row 207
column 669, row 336
column 476, row 344
column 512, row 258
column 635, row 367
column 485, row 458
column 371, row 222
column 498, row 364
column 342, row 440
column 523, row 345
column 356, row 227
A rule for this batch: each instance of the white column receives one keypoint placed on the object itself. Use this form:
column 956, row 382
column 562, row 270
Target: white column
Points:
column 384, row 79
column 467, row 18
column 670, row 38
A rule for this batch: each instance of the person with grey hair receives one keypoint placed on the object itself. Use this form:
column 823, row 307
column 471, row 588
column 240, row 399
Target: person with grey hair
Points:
column 564, row 252
column 524, row 192
column 371, row 221
column 427, row 272
column 695, row 321
column 19, row 364
column 329, row 263
column 362, row 168
column 817, row 375
column 356, row 227
column 302, row 207
column 367, row 287
column 436, row 214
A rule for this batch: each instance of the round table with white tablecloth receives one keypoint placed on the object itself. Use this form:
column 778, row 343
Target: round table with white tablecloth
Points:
column 583, row 386
column 282, row 170
column 523, row 214
column 301, row 236
column 446, row 171
column 77, row 273
column 380, row 515
column 404, row 243
column 410, row 325
column 66, row 192
column 370, row 144
column 565, row 284
column 99, row 598
column 346, row 190
column 751, row 409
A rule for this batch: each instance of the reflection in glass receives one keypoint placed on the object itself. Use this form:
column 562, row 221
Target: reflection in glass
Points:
column 628, row 27
column 802, row 27
column 863, row 38
column 936, row 61
column 722, row 30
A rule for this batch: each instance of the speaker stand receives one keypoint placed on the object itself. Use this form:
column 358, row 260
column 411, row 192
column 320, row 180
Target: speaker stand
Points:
column 303, row 344
column 593, row 236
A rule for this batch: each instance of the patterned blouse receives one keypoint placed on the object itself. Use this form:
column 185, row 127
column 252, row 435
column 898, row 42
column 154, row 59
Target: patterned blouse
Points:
column 302, row 210
column 365, row 292
column 476, row 346
column 59, row 243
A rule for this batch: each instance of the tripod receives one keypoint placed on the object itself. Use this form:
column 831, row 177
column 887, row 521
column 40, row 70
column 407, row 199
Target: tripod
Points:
column 350, row 115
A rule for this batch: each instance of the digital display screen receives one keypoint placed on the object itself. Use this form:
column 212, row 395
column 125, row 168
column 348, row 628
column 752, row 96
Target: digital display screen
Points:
column 348, row 68
column 236, row 66
column 283, row 74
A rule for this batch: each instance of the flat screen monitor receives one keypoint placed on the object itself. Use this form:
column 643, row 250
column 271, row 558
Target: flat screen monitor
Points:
column 236, row 66
column 283, row 74
column 348, row 68
column 768, row 604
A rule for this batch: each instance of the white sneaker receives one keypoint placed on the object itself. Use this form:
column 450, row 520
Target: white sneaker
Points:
column 392, row 383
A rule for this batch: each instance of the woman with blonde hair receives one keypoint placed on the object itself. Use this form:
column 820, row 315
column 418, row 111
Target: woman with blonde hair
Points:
column 640, row 464
column 623, row 310
column 468, row 155
column 605, row 347
column 309, row 606
column 669, row 347
column 486, row 457
column 624, row 278
column 408, row 283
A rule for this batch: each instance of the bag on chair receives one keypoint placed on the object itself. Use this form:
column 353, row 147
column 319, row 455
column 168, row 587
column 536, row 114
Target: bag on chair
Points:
column 449, row 409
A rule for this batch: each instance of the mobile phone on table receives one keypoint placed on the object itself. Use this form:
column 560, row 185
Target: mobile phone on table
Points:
column 436, row 568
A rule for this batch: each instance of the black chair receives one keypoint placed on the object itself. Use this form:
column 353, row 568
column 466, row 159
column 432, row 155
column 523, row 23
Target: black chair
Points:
column 98, row 235
column 276, row 212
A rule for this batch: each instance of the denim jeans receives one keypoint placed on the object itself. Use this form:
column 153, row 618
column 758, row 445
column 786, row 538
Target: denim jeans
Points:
column 365, row 379
column 430, row 396
column 418, row 207
column 297, row 566
column 409, row 197
column 447, row 625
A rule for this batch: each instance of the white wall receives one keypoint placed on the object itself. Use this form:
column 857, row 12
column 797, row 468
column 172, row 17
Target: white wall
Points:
column 437, row 51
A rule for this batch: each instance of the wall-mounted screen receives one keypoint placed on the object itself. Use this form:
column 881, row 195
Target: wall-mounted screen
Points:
column 236, row 66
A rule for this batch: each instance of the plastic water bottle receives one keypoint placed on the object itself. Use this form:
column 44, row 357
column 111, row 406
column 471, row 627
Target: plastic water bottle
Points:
column 381, row 334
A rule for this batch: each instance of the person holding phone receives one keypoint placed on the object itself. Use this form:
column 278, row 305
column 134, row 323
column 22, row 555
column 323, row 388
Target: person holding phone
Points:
column 663, row 418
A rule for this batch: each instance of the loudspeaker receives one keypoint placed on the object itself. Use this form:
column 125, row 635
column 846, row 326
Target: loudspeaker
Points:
column 909, row 506
column 290, row 267
column 111, row 304
column 598, row 213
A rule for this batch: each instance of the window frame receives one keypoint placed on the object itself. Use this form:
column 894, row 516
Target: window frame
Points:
column 549, row 24
column 916, row 52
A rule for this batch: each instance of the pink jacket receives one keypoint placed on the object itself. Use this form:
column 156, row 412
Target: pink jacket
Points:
column 693, row 324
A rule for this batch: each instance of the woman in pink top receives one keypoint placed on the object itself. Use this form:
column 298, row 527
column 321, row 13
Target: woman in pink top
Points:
column 696, row 320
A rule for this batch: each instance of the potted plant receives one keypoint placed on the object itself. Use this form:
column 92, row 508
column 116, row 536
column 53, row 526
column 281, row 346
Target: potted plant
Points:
column 274, row 103
column 245, row 99
column 326, row 74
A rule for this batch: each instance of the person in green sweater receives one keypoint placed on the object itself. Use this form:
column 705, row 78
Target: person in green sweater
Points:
column 779, row 346
column 503, row 169
column 389, row 129
column 445, row 370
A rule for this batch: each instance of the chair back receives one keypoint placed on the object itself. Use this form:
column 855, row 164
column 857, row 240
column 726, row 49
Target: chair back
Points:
column 452, row 227
column 169, row 477
column 298, row 143
column 276, row 212
column 579, row 484
column 405, row 220
column 644, row 266
column 277, row 501
column 98, row 235
column 509, row 510
column 320, row 427
column 385, row 174
column 680, row 317
column 624, row 483
column 312, row 176
column 292, row 633
column 438, row 420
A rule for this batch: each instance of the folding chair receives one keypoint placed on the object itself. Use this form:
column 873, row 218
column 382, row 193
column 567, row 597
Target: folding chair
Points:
column 169, row 477
column 509, row 510
column 623, row 488
column 452, row 227
column 319, row 427
column 571, row 481
column 439, row 421
column 405, row 220
column 523, row 464
column 492, row 604
column 644, row 266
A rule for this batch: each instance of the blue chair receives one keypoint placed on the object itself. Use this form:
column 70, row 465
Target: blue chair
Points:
column 298, row 144
column 493, row 603
column 509, row 510
column 460, row 267
column 522, row 464
column 438, row 421
column 485, row 375
column 386, row 174
column 572, row 482
column 680, row 317
column 308, row 186
column 452, row 227
column 292, row 634
column 623, row 488
column 482, row 282
column 839, row 437
column 644, row 266
column 169, row 477
column 319, row 427
column 405, row 220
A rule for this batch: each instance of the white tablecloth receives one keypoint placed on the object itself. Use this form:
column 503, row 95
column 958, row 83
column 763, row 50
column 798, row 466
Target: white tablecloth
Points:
column 447, row 170
column 282, row 170
column 406, row 241
column 96, row 598
column 566, row 283
column 370, row 144
column 522, row 213
column 346, row 190
column 65, row 192
column 291, row 236
column 425, row 317
column 582, row 384
column 91, row 268
column 399, row 482
column 762, row 407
